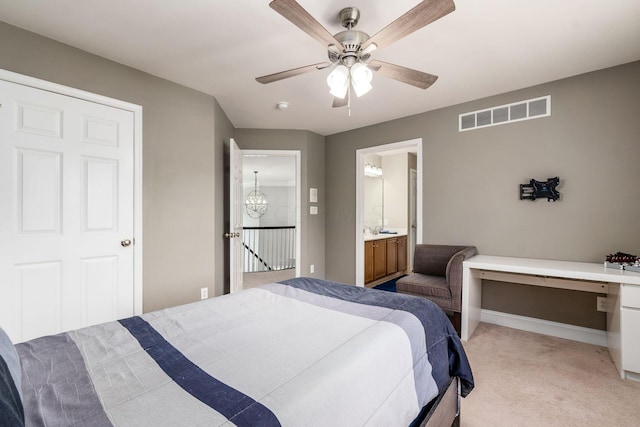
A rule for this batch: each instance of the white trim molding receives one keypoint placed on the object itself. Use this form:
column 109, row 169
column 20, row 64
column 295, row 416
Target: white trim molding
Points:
column 545, row 327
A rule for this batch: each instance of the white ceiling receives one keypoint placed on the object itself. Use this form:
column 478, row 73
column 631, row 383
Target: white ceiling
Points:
column 219, row 47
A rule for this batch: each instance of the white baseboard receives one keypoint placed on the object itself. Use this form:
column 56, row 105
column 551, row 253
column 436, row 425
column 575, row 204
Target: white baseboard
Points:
column 545, row 327
column 631, row 376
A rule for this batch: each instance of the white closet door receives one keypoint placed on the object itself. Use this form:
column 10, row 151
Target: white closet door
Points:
column 66, row 212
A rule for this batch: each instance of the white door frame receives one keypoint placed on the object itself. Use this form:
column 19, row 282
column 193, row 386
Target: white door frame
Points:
column 297, row 155
column 413, row 215
column 360, row 154
column 12, row 77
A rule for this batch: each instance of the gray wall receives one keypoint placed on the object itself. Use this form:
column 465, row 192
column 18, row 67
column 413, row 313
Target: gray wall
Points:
column 470, row 179
column 223, row 132
column 312, row 167
column 183, row 133
column 471, row 183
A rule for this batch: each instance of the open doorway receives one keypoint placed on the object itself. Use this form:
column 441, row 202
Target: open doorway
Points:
column 394, row 222
column 271, row 216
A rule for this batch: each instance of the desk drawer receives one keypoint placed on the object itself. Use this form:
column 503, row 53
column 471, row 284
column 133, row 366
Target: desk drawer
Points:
column 631, row 296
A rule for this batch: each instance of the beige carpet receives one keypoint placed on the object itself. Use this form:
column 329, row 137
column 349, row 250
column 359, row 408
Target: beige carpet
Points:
column 526, row 379
column 251, row 280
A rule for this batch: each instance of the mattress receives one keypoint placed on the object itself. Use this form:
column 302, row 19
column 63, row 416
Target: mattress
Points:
column 302, row 352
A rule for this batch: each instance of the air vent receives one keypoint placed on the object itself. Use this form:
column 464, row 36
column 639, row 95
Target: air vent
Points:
column 503, row 114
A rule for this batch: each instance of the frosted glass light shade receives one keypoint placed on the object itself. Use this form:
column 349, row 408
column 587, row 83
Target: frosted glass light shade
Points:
column 338, row 81
column 361, row 77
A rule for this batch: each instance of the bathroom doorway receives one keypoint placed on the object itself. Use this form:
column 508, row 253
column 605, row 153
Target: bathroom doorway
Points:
column 391, row 220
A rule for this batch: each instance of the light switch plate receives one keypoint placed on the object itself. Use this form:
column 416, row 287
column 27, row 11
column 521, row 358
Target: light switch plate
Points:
column 313, row 195
column 313, row 210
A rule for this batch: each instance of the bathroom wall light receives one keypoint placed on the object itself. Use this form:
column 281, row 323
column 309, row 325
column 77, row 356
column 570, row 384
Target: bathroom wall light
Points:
column 372, row 170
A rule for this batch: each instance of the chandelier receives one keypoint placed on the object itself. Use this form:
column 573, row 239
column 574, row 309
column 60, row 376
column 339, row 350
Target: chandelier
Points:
column 256, row 203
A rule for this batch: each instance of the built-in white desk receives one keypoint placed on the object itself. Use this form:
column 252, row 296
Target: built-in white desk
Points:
column 622, row 289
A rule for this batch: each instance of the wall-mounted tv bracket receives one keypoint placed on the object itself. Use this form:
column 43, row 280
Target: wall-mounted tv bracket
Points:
column 538, row 189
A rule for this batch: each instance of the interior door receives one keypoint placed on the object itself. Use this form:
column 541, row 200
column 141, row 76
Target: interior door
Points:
column 236, row 267
column 66, row 217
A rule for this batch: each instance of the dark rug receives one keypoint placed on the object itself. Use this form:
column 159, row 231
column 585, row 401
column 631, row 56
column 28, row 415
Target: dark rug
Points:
column 389, row 285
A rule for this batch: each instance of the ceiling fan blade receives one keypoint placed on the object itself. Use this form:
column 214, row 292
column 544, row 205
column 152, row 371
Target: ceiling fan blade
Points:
column 297, row 15
column 404, row 74
column 423, row 14
column 374, row 68
column 340, row 102
column 270, row 78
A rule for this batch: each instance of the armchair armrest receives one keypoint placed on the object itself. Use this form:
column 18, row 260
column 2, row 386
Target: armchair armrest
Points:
column 454, row 274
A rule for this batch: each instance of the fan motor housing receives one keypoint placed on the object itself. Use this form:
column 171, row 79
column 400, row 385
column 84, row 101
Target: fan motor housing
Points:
column 351, row 41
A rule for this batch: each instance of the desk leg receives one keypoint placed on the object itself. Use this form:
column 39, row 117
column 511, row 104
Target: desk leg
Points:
column 614, row 335
column 471, row 302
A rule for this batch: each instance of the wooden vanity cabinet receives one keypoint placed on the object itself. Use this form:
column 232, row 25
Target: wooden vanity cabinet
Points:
column 379, row 259
column 384, row 257
column 402, row 253
column 375, row 258
column 368, row 261
column 392, row 256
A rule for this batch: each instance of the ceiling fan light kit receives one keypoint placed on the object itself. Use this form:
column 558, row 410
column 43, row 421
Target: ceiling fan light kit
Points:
column 338, row 81
column 349, row 51
column 359, row 76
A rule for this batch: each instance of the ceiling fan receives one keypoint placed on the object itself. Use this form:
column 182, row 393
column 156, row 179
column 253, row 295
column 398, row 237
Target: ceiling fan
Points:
column 350, row 51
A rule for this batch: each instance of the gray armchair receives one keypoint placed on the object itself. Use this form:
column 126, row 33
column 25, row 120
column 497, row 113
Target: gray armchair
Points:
column 437, row 275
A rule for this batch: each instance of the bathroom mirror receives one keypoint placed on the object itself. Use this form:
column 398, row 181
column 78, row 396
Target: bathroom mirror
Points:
column 373, row 202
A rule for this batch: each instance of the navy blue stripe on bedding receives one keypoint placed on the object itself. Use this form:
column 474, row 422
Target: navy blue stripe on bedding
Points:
column 446, row 354
column 239, row 408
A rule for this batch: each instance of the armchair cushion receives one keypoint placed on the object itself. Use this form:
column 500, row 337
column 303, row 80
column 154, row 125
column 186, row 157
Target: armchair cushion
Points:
column 424, row 285
column 437, row 274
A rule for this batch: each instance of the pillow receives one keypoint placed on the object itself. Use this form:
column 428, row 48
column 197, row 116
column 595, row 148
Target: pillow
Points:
column 11, row 410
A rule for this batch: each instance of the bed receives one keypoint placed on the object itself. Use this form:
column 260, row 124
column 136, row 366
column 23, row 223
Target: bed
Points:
column 301, row 352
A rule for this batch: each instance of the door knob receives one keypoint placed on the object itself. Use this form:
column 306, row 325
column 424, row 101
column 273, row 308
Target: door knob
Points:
column 125, row 243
